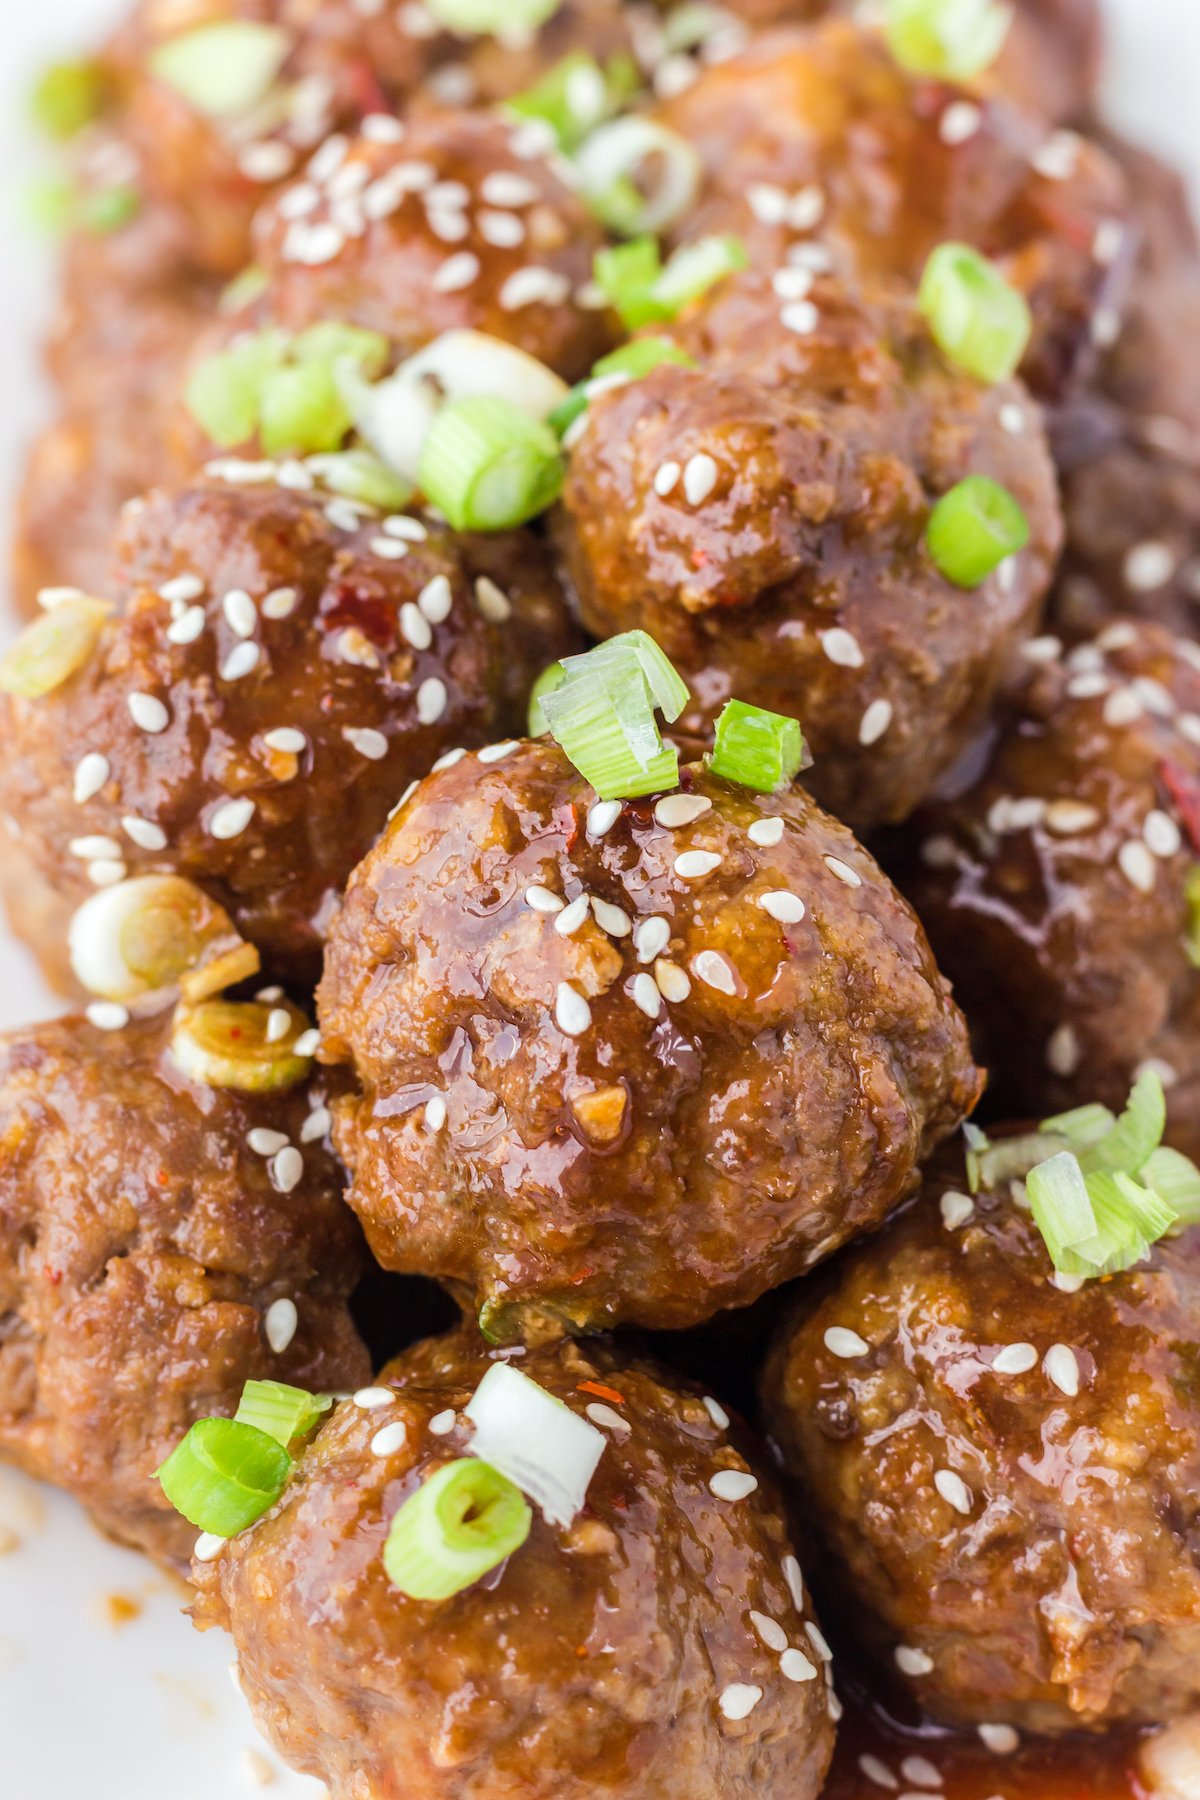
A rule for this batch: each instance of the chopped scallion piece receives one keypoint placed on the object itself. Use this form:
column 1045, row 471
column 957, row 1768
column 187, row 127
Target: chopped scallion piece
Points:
column 576, row 95
column 1061, row 1207
column 281, row 1411
column 536, row 1439
column 973, row 529
column 224, row 1475
column 694, row 268
column 361, row 476
column 633, row 360
column 478, row 18
column 611, row 159
column 488, row 466
column 223, row 69
column 107, row 209
column 949, row 40
column 53, row 647
column 68, row 97
column 332, row 342
column 224, row 392
column 288, row 391
column 237, row 1044
column 602, row 714
column 546, row 683
column 758, row 749
column 1129, row 1219
column 1138, row 1131
column 301, row 409
column 644, row 292
column 1176, row 1180
column 668, row 690
column 457, row 1526
column 1082, row 1127
column 976, row 318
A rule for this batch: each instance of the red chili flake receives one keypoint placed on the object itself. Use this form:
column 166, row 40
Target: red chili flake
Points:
column 581, row 1650
column 163, row 1177
column 604, row 1393
column 1184, row 790
column 52, row 1275
column 364, row 88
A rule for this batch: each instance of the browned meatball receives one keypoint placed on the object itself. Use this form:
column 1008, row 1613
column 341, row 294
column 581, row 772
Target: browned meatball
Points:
column 818, row 142
column 763, row 514
column 659, row 1645
column 1003, row 1472
column 284, row 665
column 156, row 1251
column 630, row 1063
column 1055, row 888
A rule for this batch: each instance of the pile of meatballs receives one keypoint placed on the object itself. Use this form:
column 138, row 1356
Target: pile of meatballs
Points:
column 400, row 1053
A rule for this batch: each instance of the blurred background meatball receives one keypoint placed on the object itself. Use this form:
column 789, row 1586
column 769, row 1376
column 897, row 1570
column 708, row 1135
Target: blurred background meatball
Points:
column 1058, row 887
column 285, row 663
column 628, row 1061
column 762, row 513
column 161, row 1242
column 1002, row 1466
column 577, row 1667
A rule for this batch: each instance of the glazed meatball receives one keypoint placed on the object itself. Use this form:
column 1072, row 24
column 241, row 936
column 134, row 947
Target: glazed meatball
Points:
column 816, row 143
column 1003, row 1472
column 658, row 1645
column 627, row 1062
column 762, row 514
column 1056, row 888
column 284, row 664
column 159, row 1245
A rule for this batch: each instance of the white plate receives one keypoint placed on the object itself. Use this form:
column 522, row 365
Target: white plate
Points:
column 93, row 1710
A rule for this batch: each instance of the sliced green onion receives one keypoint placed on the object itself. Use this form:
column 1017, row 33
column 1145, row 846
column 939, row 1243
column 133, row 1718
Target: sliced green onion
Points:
column 243, row 290
column 145, row 938
column 458, row 1525
column 535, row 1439
column 1176, row 1180
column 224, row 391
column 301, row 410
column 605, row 744
column 546, row 683
column 756, row 748
column 950, row 40
column 54, row 647
column 973, row 529
column 361, row 476
column 68, row 97
column 644, row 292
column 478, row 18
column 576, row 95
column 608, row 161
column 238, row 1044
column 695, row 268
column 981, row 323
column 487, row 466
column 1129, row 1219
column 224, row 69
column 224, row 1475
column 635, row 359
column 1191, row 898
column 1136, row 1133
column 108, row 209
column 1061, row 1206
column 1082, row 1127
column 332, row 342
column 288, row 391
column 667, row 688
column 281, row 1411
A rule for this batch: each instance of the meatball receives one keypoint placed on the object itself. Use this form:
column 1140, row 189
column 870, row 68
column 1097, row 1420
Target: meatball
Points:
column 1056, row 888
column 817, row 142
column 285, row 663
column 159, row 1245
column 762, row 514
column 658, row 1645
column 1003, row 1471
column 627, row 1062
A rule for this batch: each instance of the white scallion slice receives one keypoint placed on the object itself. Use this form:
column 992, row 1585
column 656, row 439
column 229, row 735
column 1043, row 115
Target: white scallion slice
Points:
column 233, row 1044
column 1082, row 1127
column 479, row 18
column 225, row 69
column 613, row 158
column 462, row 364
column 1061, row 1206
column 53, row 648
column 536, row 1440
column 144, row 939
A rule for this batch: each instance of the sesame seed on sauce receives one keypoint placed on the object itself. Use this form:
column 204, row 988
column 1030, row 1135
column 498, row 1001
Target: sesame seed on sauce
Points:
column 673, row 982
column 279, row 1023
column 1137, row 865
column 801, row 317
column 769, row 1631
column 389, row 1438
column 493, row 603
column 90, row 848
column 739, row 1700
column 188, row 626
column 733, row 1484
column 699, row 478
column 841, row 647
column 572, row 916
column 208, row 1547
column 954, row 1491
column 443, row 1423
column 921, row 1772
column 693, row 865
column 651, row 937
column 436, row 600
column 504, row 230
column 265, row 1142
column 240, row 613
column 242, row 660
column 144, row 832
column 181, row 589
column 956, row 1209
column 286, row 1169
column 494, row 753
column 107, row 1015
column 645, row 995
column 432, row 699
column 533, row 287
column 843, row 871
column 795, row 1666
column 791, row 283
column 878, row 1772
column 1056, row 157
column 1066, row 818
column 817, row 1639
column 602, row 817
column 367, row 741
column 607, row 1417
column 1015, row 1359
column 1062, row 1368
column 716, row 1412
column 415, row 627
column 91, row 772
column 231, row 818
column 1001, row 1740
column 1062, row 1050
column 710, row 967
column 665, row 478
column 674, row 810
column 286, row 739
column 911, row 1661
column 1161, row 833
column 843, row 1342
column 611, row 918
column 106, row 871
column 874, row 722
column 766, row 833
column 386, row 548
column 795, row 1581
column 959, row 123
column 279, row 1323
column 280, row 603
column 370, row 1398
column 148, row 713
column 308, row 1043
column 542, row 900
column 782, row 905
column 435, row 1114
column 572, row 1013
column 457, row 272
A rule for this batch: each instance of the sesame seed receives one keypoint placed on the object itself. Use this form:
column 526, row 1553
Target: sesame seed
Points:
column 1137, row 865
column 308, row 1043
column 1012, row 420
column 692, row 865
column 443, row 1423
column 148, row 713
column 606, row 1416
column 388, row 549
column 242, row 660
column 806, row 208
column 572, row 1013
column 710, row 967
column 280, row 603
column 602, row 817
column 494, row 753
column 239, row 610
column 912, row 1662
column 783, row 905
column 314, row 244
column 389, row 1438
column 644, row 990
column 95, row 846
column 432, row 699
column 768, row 203
column 651, row 937
column 436, row 599
column 739, row 1700
column 144, row 832
column 208, row 1547
column 326, row 161
column 1066, row 817
column 503, row 229
column 381, row 128
column 681, row 809
column 415, row 627
column 612, row 919
column 673, row 982
column 1087, row 687
column 878, row 1772
column 874, row 722
column 369, row 1398
column 1001, row 1740
column 286, row 1169
column 699, row 478
column 265, row 1142
column 279, row 1023
column 1062, row 1050
column 542, row 900
column 1056, row 157
column 493, row 603
column 843, row 871
column 845, row 1343
column 1149, row 566
column 956, row 1209
column 279, row 1323
column 817, row 1639
column 1062, row 1368
column 766, row 833
column 180, row 589
column 231, row 818
column 107, row 1015
column 1015, row 1359
column 506, row 187
column 769, row 1631
column 960, row 121
column 795, row 1581
column 367, row 741
column 287, row 739
column 1161, row 833
column 716, row 1412
column 841, row 647
column 91, row 773
column 435, row 1113
column 531, row 287
column 954, row 1490
column 456, row 273
column 572, row 916
column 665, row 478
column 792, row 283
column 188, row 626
column 106, row 871
column 800, row 316
column 733, row 1484
column 921, row 1772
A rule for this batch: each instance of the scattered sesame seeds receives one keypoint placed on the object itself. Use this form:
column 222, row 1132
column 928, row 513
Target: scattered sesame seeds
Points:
column 960, row 121
column 1161, row 833
column 612, row 919
column 280, row 603
column 910, row 1661
column 769, row 1631
column 242, row 660
column 1001, row 1740
column 388, row 549
column 265, row 1142
column 532, row 287
column 783, row 905
column 188, row 626
column 494, row 753
column 280, row 1324
column 795, row 1581
column 843, row 871
column 493, row 603
column 144, row 832
column 878, row 1772
column 435, row 1114
column 716, row 1413
column 208, row 1547
column 651, row 937
column 602, row 817
column 436, row 600
column 1148, row 566
column 107, row 1015
column 1062, row 1368
column 956, row 1209
column 180, row 589
column 286, row 739
column 739, row 1700
column 665, row 478
column 231, row 818
column 699, row 478
column 766, row 833
column 148, row 713
column 415, row 627
column 95, row 846
column 791, row 283
column 1062, row 1050
column 1137, row 865
column 710, row 967
column 818, row 1640
column 646, row 996
column 841, row 1341
column 1015, row 1359
column 91, row 773
column 240, row 613
column 279, row 1023
column 457, row 272
column 572, row 1013
column 874, row 722
column 800, row 316
column 572, row 916
column 506, row 187
column 286, row 1169
column 607, row 1417
column 1056, row 157
column 673, row 982
column 674, row 810
column 389, row 1438
column 921, row 1772
column 368, row 1398
column 443, row 1423
column 308, row 1043
column 367, row 741
column 106, row 871
column 733, row 1484
column 542, row 900
column 432, row 700
column 692, row 865
column 954, row 1490
column 1067, row 817
column 841, row 647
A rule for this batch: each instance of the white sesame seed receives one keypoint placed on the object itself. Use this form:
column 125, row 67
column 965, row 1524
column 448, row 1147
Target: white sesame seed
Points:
column 651, row 937
column 791, row 283
column 1062, row 1368
column 389, row 1438
column 1062, row 1050
column 279, row 1323
column 503, row 229
column 1149, row 566
column 494, row 753
column 369, row 1398
column 607, row 1417
column 286, row 1169
column 107, row 1015
column 818, row 1640
column 874, row 722
column 769, row 1631
column 506, row 187
column 542, row 900
column 572, row 1013
column 381, row 128
column 1001, row 1740
column 739, row 1700
column 612, row 919
column 388, row 549
column 768, row 203
column 921, row 1772
column 841, row 647
column 673, row 982
column 231, row 818
column 240, row 613
column 180, row 589
column 956, row 1209
column 144, row 832
column 308, row 1043
column 89, row 848
column 674, row 810
column 1087, row 687
column 367, row 741
column 710, row 967
column 279, row 1023
column 208, row 1547
column 646, row 996
column 1137, row 865
column 692, row 865
column 435, row 1113
column 106, row 871
column 795, row 1666
column 800, row 316
column 436, row 599
column 188, row 626
column 845, row 1343
column 1012, row 420
column 493, row 603
column 280, row 603
column 148, row 713
column 1066, row 817
column 572, row 916
column 443, row 1423
column 795, row 1581
column 960, row 121
column 843, row 871
column 432, row 700
column 766, row 833
column 415, row 627
column 716, row 1412
column 1015, row 1359
column 733, row 1484
column 910, row 1661
column 954, row 1490
column 1056, row 157
column 265, row 1142
column 286, row 739
column 665, row 478
column 242, row 660
column 699, row 478
column 783, row 905
column 91, row 773
column 533, row 286
column 1161, row 833
column 878, row 1772
column 457, row 272
column 602, row 817
column 806, row 208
